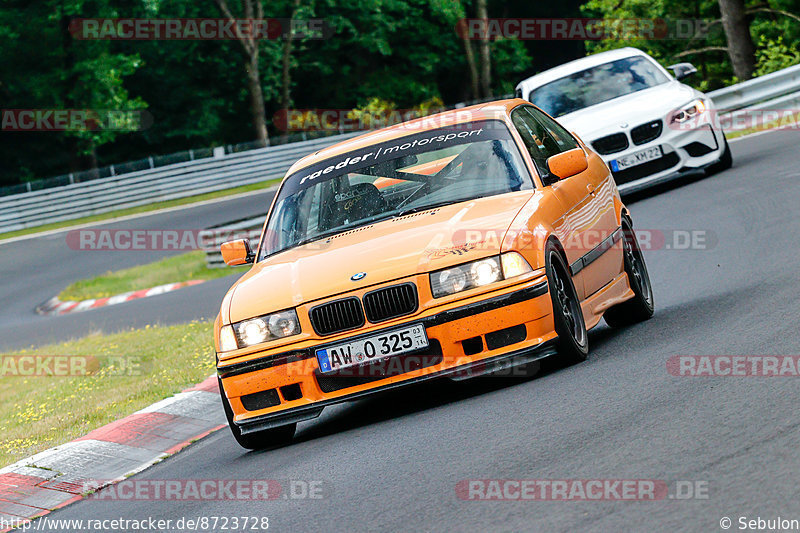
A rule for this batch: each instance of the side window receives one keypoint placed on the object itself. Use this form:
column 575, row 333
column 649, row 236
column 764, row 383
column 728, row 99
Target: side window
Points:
column 561, row 137
column 537, row 140
column 312, row 223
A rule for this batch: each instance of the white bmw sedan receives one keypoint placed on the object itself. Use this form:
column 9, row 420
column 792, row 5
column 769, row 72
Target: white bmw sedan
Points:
column 645, row 124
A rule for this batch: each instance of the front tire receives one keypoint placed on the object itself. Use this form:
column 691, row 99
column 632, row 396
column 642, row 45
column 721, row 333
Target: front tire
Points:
column 641, row 306
column 725, row 161
column 268, row 438
column 573, row 339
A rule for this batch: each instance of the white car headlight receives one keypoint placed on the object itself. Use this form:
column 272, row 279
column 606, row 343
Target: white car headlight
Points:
column 252, row 331
column 260, row 329
column 485, row 272
column 477, row 273
column 690, row 111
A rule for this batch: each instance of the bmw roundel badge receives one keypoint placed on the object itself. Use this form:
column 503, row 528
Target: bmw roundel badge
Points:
column 359, row 276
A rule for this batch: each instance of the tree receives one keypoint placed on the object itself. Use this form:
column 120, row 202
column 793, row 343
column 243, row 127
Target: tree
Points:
column 454, row 13
column 45, row 68
column 740, row 43
column 705, row 46
column 484, row 53
column 286, row 61
column 250, row 45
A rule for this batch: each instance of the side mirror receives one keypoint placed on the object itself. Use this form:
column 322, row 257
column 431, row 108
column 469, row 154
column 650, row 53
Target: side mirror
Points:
column 237, row 252
column 682, row 70
column 567, row 164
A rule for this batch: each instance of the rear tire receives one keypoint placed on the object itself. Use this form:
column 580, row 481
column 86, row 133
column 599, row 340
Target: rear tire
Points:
column 725, row 161
column 641, row 306
column 268, row 438
column 573, row 339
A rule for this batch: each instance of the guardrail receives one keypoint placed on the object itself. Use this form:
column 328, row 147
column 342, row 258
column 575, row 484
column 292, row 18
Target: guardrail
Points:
column 779, row 90
column 154, row 161
column 171, row 182
column 770, row 90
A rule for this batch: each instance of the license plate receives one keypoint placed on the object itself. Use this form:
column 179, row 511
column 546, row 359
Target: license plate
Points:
column 636, row 158
column 373, row 348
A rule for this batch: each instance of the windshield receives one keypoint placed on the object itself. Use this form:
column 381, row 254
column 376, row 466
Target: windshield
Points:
column 416, row 172
column 597, row 84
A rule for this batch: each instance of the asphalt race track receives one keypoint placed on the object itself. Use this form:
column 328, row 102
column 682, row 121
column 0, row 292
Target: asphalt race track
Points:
column 48, row 265
column 392, row 463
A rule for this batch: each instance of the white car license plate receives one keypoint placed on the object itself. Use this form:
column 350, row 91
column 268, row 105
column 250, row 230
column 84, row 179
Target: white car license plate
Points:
column 636, row 158
column 373, row 348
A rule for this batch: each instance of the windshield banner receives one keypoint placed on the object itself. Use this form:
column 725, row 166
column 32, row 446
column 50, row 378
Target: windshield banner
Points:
column 409, row 145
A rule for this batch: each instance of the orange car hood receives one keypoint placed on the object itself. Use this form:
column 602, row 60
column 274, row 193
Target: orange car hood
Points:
column 387, row 250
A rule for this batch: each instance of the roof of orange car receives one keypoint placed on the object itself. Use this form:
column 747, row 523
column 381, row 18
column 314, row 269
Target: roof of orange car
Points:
column 446, row 118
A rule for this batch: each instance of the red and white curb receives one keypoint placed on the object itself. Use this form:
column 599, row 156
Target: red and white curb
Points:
column 54, row 306
column 59, row 476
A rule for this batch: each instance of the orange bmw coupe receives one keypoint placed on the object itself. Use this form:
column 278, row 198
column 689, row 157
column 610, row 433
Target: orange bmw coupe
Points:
column 470, row 242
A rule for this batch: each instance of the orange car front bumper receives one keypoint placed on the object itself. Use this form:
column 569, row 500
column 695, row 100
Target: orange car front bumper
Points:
column 469, row 338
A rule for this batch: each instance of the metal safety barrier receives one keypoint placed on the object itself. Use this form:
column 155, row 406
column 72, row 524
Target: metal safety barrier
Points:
column 144, row 187
column 767, row 92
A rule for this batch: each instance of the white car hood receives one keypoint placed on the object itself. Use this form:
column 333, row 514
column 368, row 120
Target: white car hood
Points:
column 596, row 121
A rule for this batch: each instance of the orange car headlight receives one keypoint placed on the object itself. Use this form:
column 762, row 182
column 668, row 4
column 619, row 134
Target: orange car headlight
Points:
column 227, row 339
column 259, row 329
column 514, row 265
column 252, row 331
column 477, row 273
column 467, row 276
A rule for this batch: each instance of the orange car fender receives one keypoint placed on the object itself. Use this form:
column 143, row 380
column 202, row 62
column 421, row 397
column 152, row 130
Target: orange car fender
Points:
column 533, row 225
column 621, row 211
column 225, row 307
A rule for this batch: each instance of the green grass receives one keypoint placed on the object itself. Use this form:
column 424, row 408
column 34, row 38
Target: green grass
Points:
column 184, row 267
column 785, row 121
column 134, row 369
column 141, row 209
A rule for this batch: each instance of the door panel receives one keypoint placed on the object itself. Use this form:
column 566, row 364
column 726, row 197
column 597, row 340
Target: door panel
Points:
column 587, row 197
column 607, row 265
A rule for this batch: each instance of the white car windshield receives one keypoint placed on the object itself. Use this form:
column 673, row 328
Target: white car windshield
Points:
column 597, row 84
column 416, row 172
